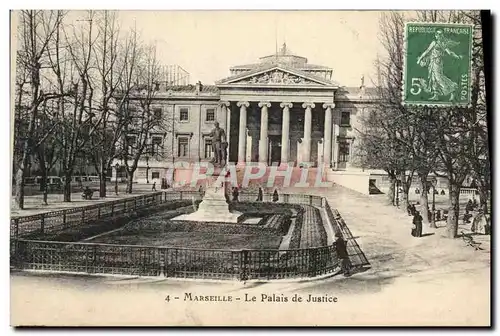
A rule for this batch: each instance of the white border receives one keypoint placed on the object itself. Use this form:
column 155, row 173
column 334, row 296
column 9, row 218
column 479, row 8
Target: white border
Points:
column 405, row 48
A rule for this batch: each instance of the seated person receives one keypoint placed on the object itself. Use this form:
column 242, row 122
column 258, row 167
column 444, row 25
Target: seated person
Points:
column 87, row 193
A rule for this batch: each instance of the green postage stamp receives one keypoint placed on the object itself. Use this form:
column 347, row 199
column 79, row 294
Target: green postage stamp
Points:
column 437, row 67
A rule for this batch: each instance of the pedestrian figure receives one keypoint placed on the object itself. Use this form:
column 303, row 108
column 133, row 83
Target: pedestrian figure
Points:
column 275, row 195
column 341, row 249
column 466, row 216
column 235, row 194
column 153, row 188
column 469, row 206
column 438, row 215
column 260, row 195
column 416, row 231
column 474, row 203
column 116, row 189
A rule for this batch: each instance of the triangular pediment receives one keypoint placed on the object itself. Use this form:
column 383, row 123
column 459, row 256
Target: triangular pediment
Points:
column 276, row 75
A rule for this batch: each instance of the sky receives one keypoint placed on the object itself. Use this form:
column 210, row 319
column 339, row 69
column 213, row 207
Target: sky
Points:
column 208, row 43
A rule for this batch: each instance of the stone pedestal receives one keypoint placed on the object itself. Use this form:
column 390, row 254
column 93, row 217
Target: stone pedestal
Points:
column 213, row 207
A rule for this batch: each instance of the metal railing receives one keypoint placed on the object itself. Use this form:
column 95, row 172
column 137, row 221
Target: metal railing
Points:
column 92, row 258
column 95, row 258
column 47, row 222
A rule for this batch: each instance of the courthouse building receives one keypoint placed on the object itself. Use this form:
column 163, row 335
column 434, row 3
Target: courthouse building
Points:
column 280, row 109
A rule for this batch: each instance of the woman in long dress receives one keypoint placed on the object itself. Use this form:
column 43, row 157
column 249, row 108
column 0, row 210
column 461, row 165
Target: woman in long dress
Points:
column 437, row 82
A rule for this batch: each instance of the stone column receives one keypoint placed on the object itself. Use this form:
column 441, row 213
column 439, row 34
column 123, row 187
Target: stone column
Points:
column 327, row 145
column 285, row 131
column 242, row 131
column 263, row 131
column 306, row 143
column 226, row 111
column 336, row 132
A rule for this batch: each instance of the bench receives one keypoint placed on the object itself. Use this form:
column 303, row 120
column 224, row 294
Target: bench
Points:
column 469, row 241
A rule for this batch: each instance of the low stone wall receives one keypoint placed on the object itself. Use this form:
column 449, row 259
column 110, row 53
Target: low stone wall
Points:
column 358, row 181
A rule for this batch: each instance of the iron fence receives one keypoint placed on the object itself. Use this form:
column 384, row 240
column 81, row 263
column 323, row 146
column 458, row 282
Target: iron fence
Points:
column 50, row 222
column 92, row 258
column 95, row 258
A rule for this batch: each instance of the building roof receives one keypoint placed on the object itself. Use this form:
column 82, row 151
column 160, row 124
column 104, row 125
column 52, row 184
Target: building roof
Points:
column 191, row 88
column 305, row 66
column 285, row 67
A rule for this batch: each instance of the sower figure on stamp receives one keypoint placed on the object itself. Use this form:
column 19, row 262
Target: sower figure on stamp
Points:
column 218, row 139
column 438, row 84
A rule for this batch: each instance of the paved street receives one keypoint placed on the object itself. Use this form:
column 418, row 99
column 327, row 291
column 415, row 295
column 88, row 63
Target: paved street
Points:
column 430, row 280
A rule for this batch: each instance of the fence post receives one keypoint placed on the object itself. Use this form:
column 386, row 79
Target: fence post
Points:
column 83, row 215
column 112, row 208
column 181, row 195
column 98, row 211
column 244, row 265
column 286, row 198
column 42, row 223
column 310, row 200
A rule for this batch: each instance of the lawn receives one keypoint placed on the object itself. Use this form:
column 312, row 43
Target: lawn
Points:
column 202, row 240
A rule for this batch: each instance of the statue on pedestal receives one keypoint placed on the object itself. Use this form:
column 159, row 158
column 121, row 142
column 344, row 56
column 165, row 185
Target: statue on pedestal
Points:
column 219, row 145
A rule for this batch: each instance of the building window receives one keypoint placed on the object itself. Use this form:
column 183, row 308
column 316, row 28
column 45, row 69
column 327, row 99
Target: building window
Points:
column 184, row 114
column 344, row 150
column 210, row 115
column 157, row 113
column 131, row 143
column 156, row 143
column 182, row 147
column 345, row 119
column 208, row 149
column 155, row 175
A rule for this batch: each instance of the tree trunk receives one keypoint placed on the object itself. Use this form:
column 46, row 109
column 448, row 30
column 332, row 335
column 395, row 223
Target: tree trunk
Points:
column 67, row 187
column 453, row 211
column 392, row 188
column 405, row 185
column 424, row 200
column 102, row 184
column 19, row 197
column 130, row 176
column 102, row 180
column 43, row 168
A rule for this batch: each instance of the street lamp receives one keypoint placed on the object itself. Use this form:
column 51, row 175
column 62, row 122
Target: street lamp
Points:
column 117, row 166
column 147, row 169
column 433, row 182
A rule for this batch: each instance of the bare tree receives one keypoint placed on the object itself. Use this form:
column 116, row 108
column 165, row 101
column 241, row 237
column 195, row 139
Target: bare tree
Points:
column 35, row 32
column 116, row 62
column 140, row 119
column 462, row 132
column 386, row 140
column 77, row 116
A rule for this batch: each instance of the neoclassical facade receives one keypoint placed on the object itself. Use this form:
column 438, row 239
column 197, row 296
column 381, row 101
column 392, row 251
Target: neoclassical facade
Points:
column 281, row 109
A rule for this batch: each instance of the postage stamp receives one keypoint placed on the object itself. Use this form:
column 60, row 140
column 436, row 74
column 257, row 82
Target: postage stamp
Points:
column 437, row 64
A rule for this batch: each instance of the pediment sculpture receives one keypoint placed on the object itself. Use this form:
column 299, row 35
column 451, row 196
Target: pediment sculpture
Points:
column 276, row 77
